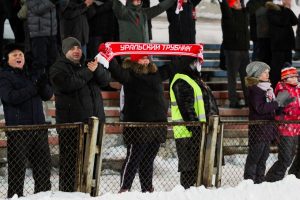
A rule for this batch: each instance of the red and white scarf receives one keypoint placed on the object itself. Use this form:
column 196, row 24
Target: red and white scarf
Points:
column 109, row 50
column 179, row 6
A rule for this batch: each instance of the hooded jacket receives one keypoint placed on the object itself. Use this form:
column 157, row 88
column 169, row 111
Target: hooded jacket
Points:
column 133, row 25
column 144, row 99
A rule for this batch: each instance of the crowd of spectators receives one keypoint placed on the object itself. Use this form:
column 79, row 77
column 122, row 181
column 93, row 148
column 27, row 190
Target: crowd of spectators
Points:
column 58, row 35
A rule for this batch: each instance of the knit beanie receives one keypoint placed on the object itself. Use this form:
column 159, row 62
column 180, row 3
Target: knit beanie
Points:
column 11, row 47
column 288, row 71
column 256, row 68
column 69, row 43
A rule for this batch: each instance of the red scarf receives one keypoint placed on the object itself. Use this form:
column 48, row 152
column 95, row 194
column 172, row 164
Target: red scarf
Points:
column 179, row 6
column 111, row 49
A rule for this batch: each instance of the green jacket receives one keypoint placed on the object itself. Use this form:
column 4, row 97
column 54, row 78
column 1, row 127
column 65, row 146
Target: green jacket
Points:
column 133, row 26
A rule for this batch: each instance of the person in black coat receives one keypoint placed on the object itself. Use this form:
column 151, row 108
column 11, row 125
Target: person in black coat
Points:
column 103, row 26
column 281, row 22
column 73, row 21
column 77, row 97
column 144, row 102
column 182, row 26
column 236, row 46
column 187, row 147
column 22, row 98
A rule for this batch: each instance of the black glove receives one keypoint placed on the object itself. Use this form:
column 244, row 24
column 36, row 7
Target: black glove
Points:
column 284, row 98
column 42, row 81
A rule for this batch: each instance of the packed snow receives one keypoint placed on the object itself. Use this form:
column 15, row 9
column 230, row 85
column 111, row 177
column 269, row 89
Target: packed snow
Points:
column 287, row 189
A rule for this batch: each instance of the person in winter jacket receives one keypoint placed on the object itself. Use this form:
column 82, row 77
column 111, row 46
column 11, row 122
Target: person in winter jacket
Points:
column 187, row 105
column 144, row 102
column 182, row 26
column 42, row 27
column 289, row 132
column 236, row 46
column 22, row 97
column 103, row 26
column 133, row 19
column 281, row 21
column 77, row 97
column 73, row 21
column 262, row 106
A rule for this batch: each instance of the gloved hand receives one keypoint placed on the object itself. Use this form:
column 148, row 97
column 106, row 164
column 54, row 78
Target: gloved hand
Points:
column 284, row 98
column 102, row 60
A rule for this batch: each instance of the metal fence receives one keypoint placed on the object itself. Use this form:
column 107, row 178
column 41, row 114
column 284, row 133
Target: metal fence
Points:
column 29, row 157
column 214, row 155
column 126, row 144
column 237, row 135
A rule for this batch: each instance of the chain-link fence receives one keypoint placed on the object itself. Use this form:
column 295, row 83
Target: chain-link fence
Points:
column 144, row 157
column 30, row 158
column 262, row 141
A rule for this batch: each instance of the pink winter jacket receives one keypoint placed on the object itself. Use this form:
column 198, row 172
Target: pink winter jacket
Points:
column 290, row 111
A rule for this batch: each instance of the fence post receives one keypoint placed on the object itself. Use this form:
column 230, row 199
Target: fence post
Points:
column 98, row 163
column 210, row 149
column 80, row 157
column 219, row 155
column 201, row 156
column 89, row 157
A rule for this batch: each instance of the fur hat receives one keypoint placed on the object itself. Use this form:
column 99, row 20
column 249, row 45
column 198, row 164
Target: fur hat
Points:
column 69, row 43
column 11, row 47
column 256, row 68
column 288, row 71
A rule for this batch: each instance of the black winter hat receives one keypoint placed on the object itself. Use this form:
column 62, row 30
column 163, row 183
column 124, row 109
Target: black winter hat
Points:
column 68, row 43
column 11, row 47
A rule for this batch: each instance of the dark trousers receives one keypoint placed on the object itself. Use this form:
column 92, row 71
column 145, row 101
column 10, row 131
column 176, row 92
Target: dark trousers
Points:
column 286, row 154
column 256, row 162
column 140, row 157
column 34, row 147
column 68, row 152
column 44, row 53
column 264, row 53
column 295, row 168
column 236, row 62
column 278, row 59
column 188, row 153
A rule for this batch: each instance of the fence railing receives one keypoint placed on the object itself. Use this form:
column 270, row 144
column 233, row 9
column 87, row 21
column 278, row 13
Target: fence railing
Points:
column 114, row 152
column 234, row 139
column 216, row 152
column 29, row 157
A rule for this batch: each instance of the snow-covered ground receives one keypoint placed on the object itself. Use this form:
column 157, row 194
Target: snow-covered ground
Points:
column 287, row 189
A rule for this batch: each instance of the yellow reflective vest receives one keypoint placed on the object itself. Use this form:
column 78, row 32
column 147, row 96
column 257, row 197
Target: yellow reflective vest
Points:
column 182, row 131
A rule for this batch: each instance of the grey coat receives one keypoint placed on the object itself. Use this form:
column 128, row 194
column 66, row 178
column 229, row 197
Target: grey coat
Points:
column 133, row 25
column 41, row 18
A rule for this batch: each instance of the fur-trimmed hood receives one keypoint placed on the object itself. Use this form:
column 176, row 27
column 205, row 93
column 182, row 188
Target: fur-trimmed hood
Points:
column 138, row 68
column 272, row 6
column 250, row 81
